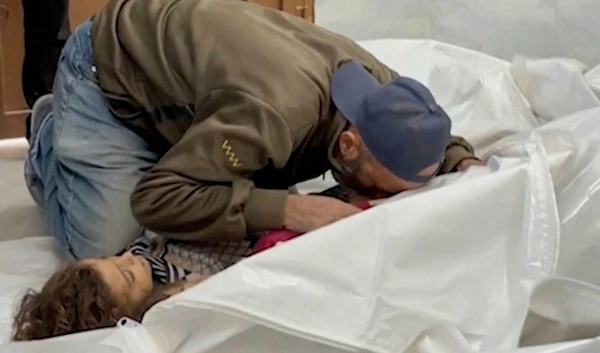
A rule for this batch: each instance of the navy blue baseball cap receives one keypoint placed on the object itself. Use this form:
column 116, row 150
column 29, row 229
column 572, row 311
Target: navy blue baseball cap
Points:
column 400, row 122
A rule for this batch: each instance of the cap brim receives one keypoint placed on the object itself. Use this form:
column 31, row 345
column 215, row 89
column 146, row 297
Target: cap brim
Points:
column 350, row 85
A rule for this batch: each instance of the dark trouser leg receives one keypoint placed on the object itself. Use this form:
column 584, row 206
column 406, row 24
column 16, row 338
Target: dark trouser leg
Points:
column 46, row 24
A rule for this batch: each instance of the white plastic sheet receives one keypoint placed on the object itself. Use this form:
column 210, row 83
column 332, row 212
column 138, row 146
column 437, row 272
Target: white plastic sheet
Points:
column 381, row 281
column 19, row 215
column 378, row 281
column 24, row 264
column 593, row 79
column 554, row 87
column 459, row 266
column 562, row 309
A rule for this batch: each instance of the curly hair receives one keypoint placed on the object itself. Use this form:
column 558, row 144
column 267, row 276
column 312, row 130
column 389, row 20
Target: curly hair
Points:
column 74, row 299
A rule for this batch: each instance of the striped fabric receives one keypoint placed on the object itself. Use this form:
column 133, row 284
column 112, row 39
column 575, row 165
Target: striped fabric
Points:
column 163, row 271
column 173, row 261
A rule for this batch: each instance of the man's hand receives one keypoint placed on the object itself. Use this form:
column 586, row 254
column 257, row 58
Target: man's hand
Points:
column 304, row 213
column 467, row 163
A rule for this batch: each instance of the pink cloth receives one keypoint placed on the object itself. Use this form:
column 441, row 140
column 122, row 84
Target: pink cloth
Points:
column 274, row 237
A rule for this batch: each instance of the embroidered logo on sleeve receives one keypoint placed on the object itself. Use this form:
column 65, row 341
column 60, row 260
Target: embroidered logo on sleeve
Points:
column 231, row 156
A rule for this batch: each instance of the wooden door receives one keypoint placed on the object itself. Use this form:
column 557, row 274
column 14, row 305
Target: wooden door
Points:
column 302, row 8
column 13, row 108
column 81, row 10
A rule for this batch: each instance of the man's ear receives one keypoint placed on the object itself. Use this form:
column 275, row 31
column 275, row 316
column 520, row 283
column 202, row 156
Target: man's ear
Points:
column 349, row 145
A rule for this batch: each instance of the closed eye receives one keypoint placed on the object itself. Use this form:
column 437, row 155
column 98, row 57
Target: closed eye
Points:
column 130, row 276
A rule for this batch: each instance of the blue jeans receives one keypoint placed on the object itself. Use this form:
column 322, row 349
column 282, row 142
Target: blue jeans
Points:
column 83, row 163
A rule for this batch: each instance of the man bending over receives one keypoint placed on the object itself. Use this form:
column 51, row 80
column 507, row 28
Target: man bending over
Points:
column 192, row 118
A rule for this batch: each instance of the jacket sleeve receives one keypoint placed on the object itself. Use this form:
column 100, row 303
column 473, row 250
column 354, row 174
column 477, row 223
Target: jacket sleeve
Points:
column 200, row 189
column 458, row 150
